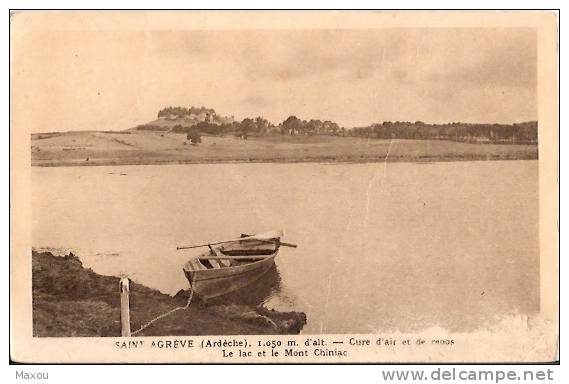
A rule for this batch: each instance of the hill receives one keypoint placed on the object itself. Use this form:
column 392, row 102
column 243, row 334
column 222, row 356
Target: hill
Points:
column 200, row 135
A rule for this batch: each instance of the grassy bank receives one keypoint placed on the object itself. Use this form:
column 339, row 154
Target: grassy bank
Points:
column 142, row 147
column 71, row 301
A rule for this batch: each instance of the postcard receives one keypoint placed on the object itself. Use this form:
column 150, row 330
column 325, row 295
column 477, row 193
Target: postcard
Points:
column 284, row 186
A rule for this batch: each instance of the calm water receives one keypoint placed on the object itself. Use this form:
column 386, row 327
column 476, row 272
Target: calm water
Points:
column 381, row 246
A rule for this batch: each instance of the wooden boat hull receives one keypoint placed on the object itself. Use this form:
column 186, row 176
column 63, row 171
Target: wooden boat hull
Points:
column 209, row 283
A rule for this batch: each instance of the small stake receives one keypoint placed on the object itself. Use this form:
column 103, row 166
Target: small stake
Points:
column 125, row 311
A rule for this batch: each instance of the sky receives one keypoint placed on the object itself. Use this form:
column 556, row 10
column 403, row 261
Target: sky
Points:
column 115, row 79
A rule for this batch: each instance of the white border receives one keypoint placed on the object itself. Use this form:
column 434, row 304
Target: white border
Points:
column 237, row 374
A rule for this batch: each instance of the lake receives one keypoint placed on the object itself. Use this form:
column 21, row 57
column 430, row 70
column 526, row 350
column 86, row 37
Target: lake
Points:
column 381, row 247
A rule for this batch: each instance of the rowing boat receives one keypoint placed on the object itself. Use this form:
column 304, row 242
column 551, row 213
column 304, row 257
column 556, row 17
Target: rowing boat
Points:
column 233, row 264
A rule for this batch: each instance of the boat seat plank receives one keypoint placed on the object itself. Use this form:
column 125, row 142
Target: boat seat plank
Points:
column 222, row 262
column 214, row 263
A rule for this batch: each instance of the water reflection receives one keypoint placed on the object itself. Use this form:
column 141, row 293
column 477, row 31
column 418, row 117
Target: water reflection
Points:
column 259, row 292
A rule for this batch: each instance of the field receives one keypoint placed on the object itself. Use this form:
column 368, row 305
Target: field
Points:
column 144, row 147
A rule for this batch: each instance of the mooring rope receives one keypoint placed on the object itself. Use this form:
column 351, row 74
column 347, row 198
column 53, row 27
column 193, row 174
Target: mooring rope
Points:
column 170, row 311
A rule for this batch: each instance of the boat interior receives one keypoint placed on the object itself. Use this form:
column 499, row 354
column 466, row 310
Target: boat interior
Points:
column 221, row 257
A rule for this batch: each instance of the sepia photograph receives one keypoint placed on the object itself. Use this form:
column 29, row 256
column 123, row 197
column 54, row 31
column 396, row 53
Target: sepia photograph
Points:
column 322, row 186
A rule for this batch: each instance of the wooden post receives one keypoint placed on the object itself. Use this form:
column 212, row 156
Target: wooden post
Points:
column 125, row 311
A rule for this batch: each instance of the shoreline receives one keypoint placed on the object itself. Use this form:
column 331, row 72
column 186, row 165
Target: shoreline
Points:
column 69, row 300
column 423, row 159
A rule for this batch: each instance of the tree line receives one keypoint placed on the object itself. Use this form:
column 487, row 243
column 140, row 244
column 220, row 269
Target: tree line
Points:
column 261, row 126
column 520, row 133
column 517, row 133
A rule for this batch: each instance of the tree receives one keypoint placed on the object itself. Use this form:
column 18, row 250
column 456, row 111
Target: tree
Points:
column 194, row 137
column 292, row 125
column 247, row 126
column 330, row 127
column 261, row 124
column 313, row 126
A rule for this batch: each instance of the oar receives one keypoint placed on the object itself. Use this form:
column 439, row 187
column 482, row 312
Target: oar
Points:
column 243, row 238
column 279, row 243
column 205, row 245
column 233, row 257
column 273, row 242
